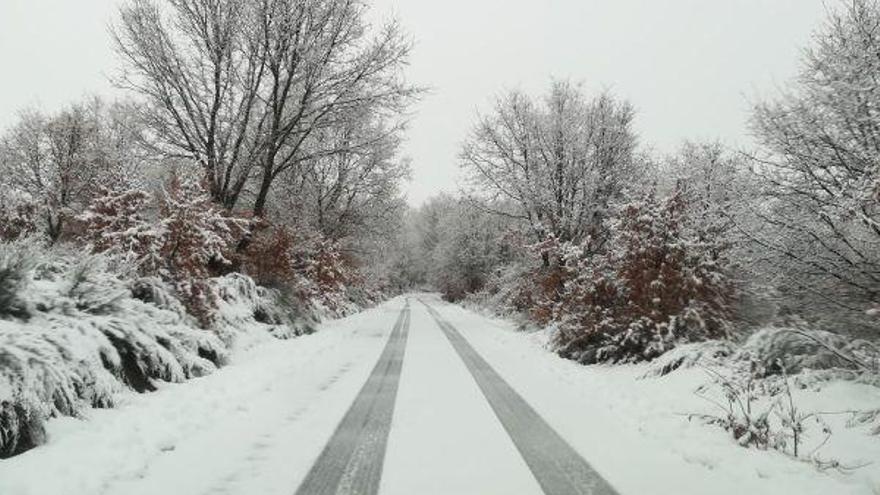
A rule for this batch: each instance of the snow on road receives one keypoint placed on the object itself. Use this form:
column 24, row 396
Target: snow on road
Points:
column 353, row 458
column 559, row 469
column 445, row 438
column 259, row 425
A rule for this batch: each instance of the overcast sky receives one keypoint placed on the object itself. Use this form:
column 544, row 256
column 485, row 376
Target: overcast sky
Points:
column 689, row 66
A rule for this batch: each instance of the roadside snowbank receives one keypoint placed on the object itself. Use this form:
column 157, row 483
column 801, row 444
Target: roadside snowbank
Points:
column 76, row 330
column 255, row 426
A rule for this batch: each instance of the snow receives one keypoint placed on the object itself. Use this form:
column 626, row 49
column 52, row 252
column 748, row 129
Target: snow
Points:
column 634, row 431
column 258, row 425
column 445, row 438
column 255, row 426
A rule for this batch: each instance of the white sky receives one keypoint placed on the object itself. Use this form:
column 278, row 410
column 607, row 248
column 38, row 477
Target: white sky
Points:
column 689, row 66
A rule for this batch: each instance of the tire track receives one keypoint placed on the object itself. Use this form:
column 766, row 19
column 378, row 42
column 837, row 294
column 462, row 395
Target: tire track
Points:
column 351, row 463
column 559, row 469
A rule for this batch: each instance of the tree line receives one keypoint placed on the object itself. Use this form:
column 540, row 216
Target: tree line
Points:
column 252, row 130
column 567, row 220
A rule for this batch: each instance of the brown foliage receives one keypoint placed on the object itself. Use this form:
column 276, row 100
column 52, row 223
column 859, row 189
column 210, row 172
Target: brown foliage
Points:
column 661, row 284
column 268, row 257
column 190, row 240
column 17, row 220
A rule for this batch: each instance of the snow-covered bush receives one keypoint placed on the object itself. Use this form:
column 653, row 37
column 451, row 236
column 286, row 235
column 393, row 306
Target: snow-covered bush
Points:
column 765, row 415
column 269, row 255
column 661, row 283
column 308, row 270
column 18, row 215
column 189, row 241
column 760, row 420
column 241, row 301
column 538, row 292
column 17, row 262
column 76, row 330
column 329, row 273
column 703, row 354
column 503, row 292
column 115, row 222
column 777, row 351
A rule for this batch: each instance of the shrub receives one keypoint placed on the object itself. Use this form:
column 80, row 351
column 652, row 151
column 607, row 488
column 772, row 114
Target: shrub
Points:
column 17, row 262
column 268, row 257
column 306, row 266
column 115, row 223
column 94, row 328
column 18, row 216
column 198, row 237
column 659, row 284
column 786, row 351
column 703, row 354
column 190, row 241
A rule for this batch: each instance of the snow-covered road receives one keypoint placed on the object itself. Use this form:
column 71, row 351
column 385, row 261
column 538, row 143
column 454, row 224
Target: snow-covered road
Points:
column 284, row 409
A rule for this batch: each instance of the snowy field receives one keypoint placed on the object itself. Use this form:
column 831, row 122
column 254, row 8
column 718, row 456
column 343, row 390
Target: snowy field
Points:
column 258, row 425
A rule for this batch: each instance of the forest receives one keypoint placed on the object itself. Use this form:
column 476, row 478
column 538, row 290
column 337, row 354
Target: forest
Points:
column 252, row 183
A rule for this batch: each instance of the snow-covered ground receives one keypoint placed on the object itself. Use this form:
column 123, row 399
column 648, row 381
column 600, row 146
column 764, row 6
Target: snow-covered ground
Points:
column 255, row 426
column 259, row 424
column 635, row 432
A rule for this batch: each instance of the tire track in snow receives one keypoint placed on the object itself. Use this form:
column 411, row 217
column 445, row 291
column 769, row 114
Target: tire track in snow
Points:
column 559, row 469
column 351, row 463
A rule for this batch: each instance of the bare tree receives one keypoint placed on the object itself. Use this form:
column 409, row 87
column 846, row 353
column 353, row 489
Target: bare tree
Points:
column 242, row 87
column 355, row 191
column 325, row 67
column 199, row 68
column 561, row 161
column 60, row 160
column 821, row 149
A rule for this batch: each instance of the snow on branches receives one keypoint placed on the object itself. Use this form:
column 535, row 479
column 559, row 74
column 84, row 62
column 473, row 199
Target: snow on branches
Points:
column 661, row 283
column 114, row 222
column 188, row 240
column 819, row 167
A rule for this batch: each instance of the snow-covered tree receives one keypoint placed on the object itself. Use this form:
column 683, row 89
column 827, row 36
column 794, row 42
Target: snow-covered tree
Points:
column 116, row 222
column 819, row 163
column 351, row 195
column 468, row 251
column 61, row 160
column 241, row 88
column 198, row 236
column 184, row 238
column 562, row 161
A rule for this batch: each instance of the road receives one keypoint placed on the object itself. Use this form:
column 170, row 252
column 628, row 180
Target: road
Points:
column 354, row 459
column 415, row 396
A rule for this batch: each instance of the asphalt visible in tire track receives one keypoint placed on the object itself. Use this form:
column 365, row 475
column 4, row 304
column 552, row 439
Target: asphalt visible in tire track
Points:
column 559, row 469
column 351, row 463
